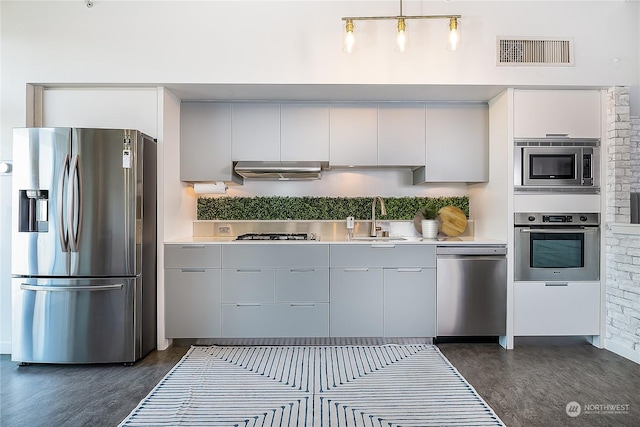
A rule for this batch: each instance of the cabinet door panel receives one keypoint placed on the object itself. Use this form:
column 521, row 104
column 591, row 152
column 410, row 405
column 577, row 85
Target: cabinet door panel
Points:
column 401, row 134
column 192, row 256
column 556, row 309
column 576, row 113
column 356, row 302
column 255, row 131
column 248, row 285
column 277, row 255
column 410, row 302
column 457, row 143
column 192, row 303
column 205, row 142
column 383, row 255
column 304, row 132
column 353, row 139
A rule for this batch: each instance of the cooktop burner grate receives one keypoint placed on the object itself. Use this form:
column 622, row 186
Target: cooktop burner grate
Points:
column 275, row 236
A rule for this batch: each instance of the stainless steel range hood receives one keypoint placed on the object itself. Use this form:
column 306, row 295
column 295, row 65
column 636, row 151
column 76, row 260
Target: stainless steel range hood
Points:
column 279, row 171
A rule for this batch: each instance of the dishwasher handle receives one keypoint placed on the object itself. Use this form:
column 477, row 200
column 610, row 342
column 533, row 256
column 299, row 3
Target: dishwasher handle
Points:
column 485, row 250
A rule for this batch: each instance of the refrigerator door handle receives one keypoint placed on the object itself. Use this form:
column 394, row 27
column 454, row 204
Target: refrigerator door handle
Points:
column 76, row 193
column 63, row 233
column 116, row 286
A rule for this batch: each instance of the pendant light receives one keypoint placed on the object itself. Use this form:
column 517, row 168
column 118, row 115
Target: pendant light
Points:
column 349, row 39
column 454, row 35
column 349, row 45
column 401, row 38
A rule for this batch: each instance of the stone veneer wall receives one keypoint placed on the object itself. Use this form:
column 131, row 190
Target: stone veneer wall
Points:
column 623, row 250
column 635, row 154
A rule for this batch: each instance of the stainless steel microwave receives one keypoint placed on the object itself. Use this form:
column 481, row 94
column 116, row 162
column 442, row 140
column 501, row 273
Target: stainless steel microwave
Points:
column 557, row 165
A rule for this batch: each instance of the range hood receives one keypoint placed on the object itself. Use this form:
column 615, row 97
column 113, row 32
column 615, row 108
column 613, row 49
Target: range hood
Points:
column 279, row 171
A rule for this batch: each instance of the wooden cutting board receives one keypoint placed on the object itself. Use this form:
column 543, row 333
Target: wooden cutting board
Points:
column 453, row 221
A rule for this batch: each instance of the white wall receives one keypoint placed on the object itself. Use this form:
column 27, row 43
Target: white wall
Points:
column 153, row 43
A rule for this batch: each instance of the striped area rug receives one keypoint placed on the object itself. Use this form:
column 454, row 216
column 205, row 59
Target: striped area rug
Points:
column 389, row 385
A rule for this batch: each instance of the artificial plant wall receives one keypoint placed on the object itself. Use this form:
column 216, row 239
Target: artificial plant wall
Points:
column 318, row 208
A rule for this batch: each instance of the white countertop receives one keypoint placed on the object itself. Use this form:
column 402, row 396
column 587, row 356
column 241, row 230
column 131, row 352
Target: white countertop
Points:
column 441, row 241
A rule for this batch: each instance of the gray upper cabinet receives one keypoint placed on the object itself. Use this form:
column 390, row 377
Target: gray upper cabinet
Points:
column 304, row 132
column 255, row 131
column 401, row 134
column 354, row 135
column 457, row 148
column 205, row 142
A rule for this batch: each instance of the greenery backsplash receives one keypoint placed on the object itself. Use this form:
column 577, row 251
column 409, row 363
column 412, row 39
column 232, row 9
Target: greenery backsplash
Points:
column 318, row 208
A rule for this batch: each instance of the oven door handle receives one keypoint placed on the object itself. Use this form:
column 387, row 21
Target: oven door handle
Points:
column 558, row 231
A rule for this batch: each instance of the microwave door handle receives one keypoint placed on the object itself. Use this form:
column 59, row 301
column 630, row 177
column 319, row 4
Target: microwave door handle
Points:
column 63, row 233
column 559, row 231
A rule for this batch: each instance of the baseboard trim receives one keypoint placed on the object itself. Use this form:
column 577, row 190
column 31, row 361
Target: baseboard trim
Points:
column 623, row 351
column 5, row 347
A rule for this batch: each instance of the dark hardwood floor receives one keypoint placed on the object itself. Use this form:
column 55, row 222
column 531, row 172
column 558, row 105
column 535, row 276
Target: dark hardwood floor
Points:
column 528, row 386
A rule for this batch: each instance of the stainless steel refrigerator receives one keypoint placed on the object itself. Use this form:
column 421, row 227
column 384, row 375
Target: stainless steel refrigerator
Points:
column 83, row 245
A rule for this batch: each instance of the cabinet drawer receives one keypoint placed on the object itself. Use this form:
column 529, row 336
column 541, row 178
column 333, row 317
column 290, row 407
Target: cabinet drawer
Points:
column 249, row 320
column 302, row 284
column 303, row 320
column 192, row 255
column 248, row 285
column 192, row 303
column 275, row 255
column 383, row 255
column 556, row 309
column 275, row 320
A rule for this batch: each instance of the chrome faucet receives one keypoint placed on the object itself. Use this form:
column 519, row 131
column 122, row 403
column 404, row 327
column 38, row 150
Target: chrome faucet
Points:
column 383, row 211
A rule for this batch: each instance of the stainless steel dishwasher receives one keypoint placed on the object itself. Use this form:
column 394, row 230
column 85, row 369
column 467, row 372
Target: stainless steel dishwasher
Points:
column 471, row 290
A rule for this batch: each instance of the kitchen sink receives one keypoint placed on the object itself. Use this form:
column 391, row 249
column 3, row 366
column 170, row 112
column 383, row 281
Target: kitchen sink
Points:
column 376, row 239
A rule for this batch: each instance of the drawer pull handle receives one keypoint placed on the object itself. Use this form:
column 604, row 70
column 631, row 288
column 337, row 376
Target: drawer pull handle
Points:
column 302, row 270
column 193, row 270
column 192, row 247
column 556, row 284
column 382, row 245
column 409, row 270
column 248, row 270
column 302, row 305
column 248, row 305
column 356, row 270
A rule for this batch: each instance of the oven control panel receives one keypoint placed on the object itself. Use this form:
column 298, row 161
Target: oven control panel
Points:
column 550, row 219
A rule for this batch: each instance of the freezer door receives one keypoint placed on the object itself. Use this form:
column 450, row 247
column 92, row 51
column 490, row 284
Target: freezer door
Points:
column 73, row 321
column 106, row 200
column 40, row 190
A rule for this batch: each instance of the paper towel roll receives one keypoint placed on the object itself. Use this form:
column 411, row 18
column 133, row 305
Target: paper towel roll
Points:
column 217, row 187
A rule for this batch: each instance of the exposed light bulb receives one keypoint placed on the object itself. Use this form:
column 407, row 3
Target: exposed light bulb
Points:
column 401, row 40
column 349, row 39
column 454, row 36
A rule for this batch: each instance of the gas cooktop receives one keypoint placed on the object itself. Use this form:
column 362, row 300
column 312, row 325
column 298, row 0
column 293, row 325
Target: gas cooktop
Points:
column 276, row 236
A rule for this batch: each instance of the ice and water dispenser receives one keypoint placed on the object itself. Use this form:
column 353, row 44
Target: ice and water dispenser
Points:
column 33, row 211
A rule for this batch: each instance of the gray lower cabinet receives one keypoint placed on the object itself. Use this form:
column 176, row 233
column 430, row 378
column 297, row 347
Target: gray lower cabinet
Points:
column 357, row 302
column 192, row 282
column 299, row 290
column 409, row 302
column 385, row 290
column 279, row 290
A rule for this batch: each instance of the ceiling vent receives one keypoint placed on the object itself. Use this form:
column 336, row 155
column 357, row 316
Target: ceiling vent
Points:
column 535, row 51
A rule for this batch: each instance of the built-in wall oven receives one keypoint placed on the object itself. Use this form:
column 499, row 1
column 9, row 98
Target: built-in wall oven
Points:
column 557, row 246
column 557, row 165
